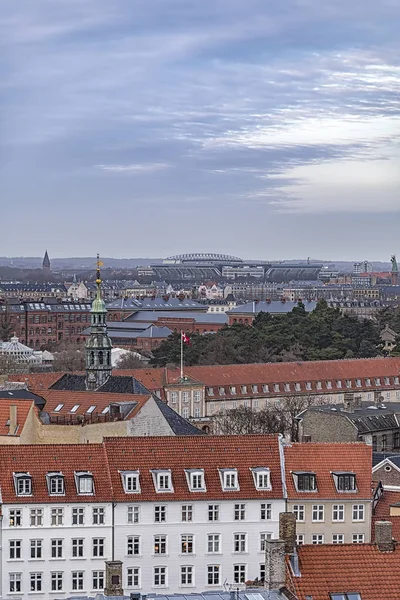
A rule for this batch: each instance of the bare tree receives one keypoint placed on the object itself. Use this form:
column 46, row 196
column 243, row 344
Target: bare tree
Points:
column 9, row 365
column 130, row 361
column 244, row 420
column 289, row 407
column 69, row 357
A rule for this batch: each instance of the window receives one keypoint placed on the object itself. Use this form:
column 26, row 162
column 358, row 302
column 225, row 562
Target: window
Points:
column 15, row 582
column 160, row 576
column 160, row 514
column 262, row 572
column 163, row 481
column 348, row 383
column 368, row 382
column 55, row 484
column 358, row 512
column 185, row 397
column 133, row 547
column 197, row 413
column 133, row 577
column 254, row 389
column 338, row 538
column 77, row 548
column 131, row 482
column 196, row 481
column 317, row 538
column 57, row 516
column 187, row 544
column 384, row 442
column 210, row 391
column 77, row 580
column 56, row 548
column 15, row 517
column 133, row 514
column 374, row 443
column 78, row 516
column 36, row 548
column 319, row 385
column 185, row 412
column 187, row 575
column 221, row 391
column 230, row 480
column 98, row 580
column 396, row 439
column 36, row 517
column 213, row 512
column 197, row 396
column 98, row 547
column 358, row 538
column 160, row 544
column 92, row 408
column 15, row 549
column 339, row 384
column 286, row 387
column 187, row 512
column 358, row 382
column 98, row 516
column 36, row 582
column 239, row 513
column 173, row 397
column 265, row 511
column 263, row 538
column 213, row 574
column 305, row 482
column 239, row 542
column 298, row 510
column 23, row 484
column 58, row 407
column 338, row 512
column 345, row 482
column 56, row 581
column 261, row 478
column 74, row 408
column 300, row 539
column 308, row 385
column 239, row 573
column 378, row 381
column 345, row 596
column 213, row 543
column 318, row 512
column 297, row 387
column 84, row 483
column 265, row 388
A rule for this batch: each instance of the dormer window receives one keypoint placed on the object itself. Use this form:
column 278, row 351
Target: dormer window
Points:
column 265, row 388
column 195, row 479
column 55, row 484
column 84, row 483
column 229, row 479
column 262, row 479
column 348, row 383
column 387, row 381
column 319, row 385
column 23, row 484
column 305, row 481
column 276, row 387
column 210, row 391
column 297, row 387
column 358, row 382
column 368, row 382
column 233, row 390
column 222, row 391
column 243, row 389
column 329, row 385
column 287, row 387
column 377, row 381
column 162, row 480
column 308, row 385
column 254, row 389
column 339, row 384
column 345, row 482
column 131, row 482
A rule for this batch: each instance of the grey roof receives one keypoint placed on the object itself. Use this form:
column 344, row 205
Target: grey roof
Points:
column 156, row 304
column 151, row 317
column 367, row 419
column 178, row 424
column 247, row 594
column 275, row 306
column 117, row 384
column 22, row 394
column 155, row 332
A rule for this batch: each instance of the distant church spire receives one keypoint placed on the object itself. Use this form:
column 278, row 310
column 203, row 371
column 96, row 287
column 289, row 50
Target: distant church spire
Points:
column 98, row 345
column 46, row 263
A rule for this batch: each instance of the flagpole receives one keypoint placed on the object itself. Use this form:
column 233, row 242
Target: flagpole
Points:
column 181, row 355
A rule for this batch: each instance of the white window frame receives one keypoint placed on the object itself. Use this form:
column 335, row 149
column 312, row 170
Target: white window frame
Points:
column 187, row 544
column 133, row 545
column 358, row 538
column 36, row 517
column 84, row 483
column 160, row 576
column 338, row 513
column 262, row 478
column 318, row 513
column 162, row 480
column 317, row 538
column 229, row 480
column 299, row 512
column 133, row 577
column 187, row 576
column 58, row 480
column 338, row 538
column 131, row 482
column 23, row 484
column 356, row 510
column 133, row 514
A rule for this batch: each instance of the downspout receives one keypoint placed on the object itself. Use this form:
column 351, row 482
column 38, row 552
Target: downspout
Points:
column 113, row 505
column 1, row 556
column 283, row 471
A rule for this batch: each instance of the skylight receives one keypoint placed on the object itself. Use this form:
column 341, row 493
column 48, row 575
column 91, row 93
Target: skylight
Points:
column 90, row 409
column 75, row 408
column 58, row 407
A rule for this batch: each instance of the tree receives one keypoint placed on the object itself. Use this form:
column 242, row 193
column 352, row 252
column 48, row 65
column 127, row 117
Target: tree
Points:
column 130, row 361
column 244, row 420
column 6, row 328
column 9, row 365
column 69, row 357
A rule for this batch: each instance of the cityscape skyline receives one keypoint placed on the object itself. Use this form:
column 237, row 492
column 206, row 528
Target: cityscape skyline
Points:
column 255, row 130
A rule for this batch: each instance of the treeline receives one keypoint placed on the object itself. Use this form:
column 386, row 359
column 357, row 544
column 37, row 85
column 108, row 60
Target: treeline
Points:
column 322, row 334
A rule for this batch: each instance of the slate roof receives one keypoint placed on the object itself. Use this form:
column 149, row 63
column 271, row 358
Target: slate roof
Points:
column 275, row 306
column 207, row 595
column 366, row 419
column 198, row 317
column 155, row 332
column 155, row 304
column 346, row 568
column 22, row 394
column 117, row 384
column 195, row 452
column 178, row 424
column 323, row 459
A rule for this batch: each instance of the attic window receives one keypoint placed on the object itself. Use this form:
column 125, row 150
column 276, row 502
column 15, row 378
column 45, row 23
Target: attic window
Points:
column 319, row 385
column 162, row 480
column 276, row 387
column 233, row 390
column 396, row 381
column 297, row 387
column 23, row 484
column 265, row 388
column 243, row 389
column 368, row 382
column 338, row 384
column 358, row 382
column 345, row 596
column 348, row 383
column 287, row 387
column 329, row 385
column 131, row 482
column 262, row 479
column 305, row 481
column 195, row 479
column 387, row 381
column 55, row 484
column 345, row 482
column 229, row 479
column 84, row 483
column 377, row 381
column 58, row 407
column 221, row 391
column 75, row 408
column 105, row 410
column 210, row 391
column 90, row 409
column 254, row 389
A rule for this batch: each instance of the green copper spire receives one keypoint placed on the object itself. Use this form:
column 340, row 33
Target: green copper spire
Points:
column 98, row 305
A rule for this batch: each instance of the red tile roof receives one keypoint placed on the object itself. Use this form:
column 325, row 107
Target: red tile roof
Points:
column 152, row 379
column 38, row 460
column 346, row 568
column 209, row 453
column 382, row 511
column 23, row 408
column 323, row 459
column 36, row 381
column 87, row 399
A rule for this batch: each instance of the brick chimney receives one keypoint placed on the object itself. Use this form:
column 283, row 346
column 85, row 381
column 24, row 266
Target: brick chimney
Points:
column 275, row 571
column 113, row 578
column 383, row 536
column 351, row 402
column 13, row 421
column 287, row 531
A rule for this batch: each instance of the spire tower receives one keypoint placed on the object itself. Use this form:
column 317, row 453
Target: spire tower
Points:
column 98, row 345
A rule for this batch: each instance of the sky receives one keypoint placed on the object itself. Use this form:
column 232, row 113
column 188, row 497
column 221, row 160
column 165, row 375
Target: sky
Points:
column 265, row 129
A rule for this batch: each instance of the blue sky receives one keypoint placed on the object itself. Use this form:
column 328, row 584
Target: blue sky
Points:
column 261, row 128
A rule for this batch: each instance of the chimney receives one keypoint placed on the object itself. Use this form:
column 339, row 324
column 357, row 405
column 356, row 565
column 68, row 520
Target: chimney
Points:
column 351, row 402
column 275, row 571
column 12, row 428
column 287, row 531
column 378, row 398
column 113, row 578
column 383, row 536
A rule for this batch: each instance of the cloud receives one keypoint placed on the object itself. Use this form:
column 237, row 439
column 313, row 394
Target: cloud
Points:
column 143, row 168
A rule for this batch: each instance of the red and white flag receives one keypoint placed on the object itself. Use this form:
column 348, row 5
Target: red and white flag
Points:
column 185, row 338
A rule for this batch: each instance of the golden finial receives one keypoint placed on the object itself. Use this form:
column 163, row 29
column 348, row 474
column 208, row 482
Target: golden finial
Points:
column 99, row 264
